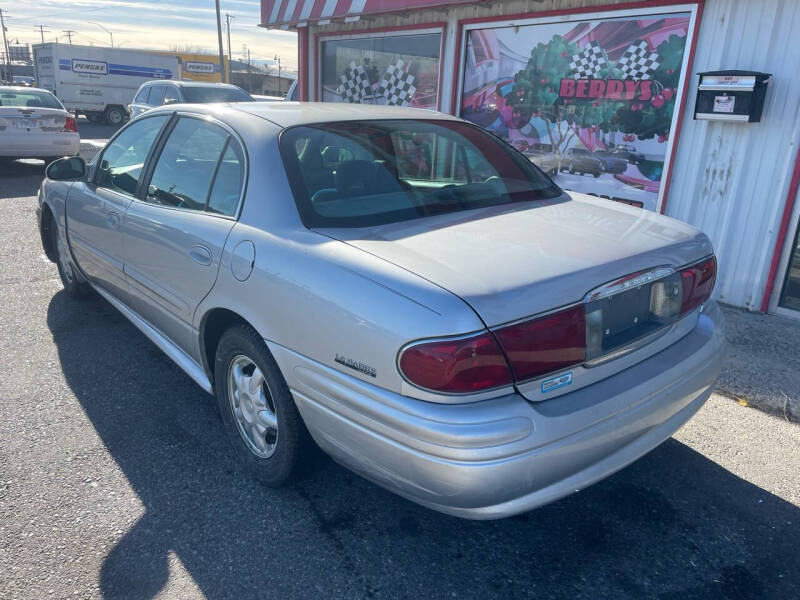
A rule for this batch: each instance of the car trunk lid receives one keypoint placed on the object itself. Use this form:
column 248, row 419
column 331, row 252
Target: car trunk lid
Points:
column 20, row 119
column 513, row 261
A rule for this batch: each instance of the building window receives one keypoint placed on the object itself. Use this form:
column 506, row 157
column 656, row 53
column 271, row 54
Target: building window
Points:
column 592, row 102
column 790, row 296
column 399, row 70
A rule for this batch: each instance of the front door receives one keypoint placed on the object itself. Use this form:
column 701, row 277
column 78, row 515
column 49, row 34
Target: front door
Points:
column 96, row 208
column 175, row 235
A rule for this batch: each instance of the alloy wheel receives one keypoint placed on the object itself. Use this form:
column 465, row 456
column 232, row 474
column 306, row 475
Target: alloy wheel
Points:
column 252, row 406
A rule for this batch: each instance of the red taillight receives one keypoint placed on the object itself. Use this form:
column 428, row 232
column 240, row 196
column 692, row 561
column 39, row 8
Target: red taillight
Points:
column 70, row 125
column 461, row 366
column 544, row 345
column 698, row 283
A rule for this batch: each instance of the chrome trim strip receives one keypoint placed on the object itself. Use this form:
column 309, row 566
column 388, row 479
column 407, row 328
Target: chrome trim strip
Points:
column 183, row 360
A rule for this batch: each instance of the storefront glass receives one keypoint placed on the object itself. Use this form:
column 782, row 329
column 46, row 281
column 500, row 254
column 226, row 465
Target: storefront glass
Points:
column 591, row 102
column 790, row 295
column 401, row 70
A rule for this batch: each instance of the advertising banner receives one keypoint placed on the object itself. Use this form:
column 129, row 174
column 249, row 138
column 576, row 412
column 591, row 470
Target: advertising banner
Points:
column 398, row 70
column 590, row 102
column 200, row 67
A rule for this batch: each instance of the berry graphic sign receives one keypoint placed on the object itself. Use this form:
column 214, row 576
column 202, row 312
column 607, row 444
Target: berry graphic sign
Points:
column 592, row 102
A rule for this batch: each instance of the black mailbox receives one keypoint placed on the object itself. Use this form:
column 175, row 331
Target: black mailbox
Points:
column 731, row 96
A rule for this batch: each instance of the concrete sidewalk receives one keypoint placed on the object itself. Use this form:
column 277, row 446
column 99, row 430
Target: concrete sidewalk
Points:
column 763, row 364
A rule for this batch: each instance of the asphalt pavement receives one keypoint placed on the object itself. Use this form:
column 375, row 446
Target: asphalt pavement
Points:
column 116, row 481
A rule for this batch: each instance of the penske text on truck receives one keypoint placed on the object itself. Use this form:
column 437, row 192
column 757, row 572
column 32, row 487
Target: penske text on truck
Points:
column 99, row 82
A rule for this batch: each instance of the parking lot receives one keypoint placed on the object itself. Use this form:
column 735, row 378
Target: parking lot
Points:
column 116, row 481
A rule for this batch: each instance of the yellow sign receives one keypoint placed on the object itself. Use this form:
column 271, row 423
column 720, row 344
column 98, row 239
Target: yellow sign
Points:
column 200, row 67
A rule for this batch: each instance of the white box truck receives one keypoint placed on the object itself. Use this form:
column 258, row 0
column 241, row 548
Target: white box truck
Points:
column 99, row 82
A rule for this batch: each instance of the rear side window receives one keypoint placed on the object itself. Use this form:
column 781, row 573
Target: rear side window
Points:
column 141, row 97
column 123, row 159
column 197, row 164
column 156, row 95
column 227, row 186
column 360, row 173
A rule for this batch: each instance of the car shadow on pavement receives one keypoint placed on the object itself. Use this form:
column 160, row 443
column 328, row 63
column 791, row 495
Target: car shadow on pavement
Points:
column 20, row 178
column 673, row 525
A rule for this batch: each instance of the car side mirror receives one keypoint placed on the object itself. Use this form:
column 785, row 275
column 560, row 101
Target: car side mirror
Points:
column 71, row 167
column 171, row 101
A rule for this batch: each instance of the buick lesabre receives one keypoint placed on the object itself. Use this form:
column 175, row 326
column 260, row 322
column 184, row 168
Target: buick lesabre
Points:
column 398, row 286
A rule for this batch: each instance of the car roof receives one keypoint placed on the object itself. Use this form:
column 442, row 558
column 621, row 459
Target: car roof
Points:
column 289, row 114
column 22, row 88
column 182, row 83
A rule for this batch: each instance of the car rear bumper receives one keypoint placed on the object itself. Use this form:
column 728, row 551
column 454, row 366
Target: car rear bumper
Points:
column 27, row 145
column 499, row 457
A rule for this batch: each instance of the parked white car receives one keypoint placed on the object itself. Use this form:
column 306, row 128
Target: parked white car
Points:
column 34, row 124
column 404, row 286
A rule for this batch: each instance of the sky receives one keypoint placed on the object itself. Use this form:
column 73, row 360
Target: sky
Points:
column 150, row 24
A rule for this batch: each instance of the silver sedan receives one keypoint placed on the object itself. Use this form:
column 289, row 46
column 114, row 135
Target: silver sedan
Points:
column 34, row 124
column 399, row 286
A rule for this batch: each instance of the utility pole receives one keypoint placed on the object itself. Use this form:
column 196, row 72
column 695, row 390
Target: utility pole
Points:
column 249, row 72
column 9, row 71
column 278, row 58
column 42, row 31
column 230, row 56
column 69, row 33
column 219, row 39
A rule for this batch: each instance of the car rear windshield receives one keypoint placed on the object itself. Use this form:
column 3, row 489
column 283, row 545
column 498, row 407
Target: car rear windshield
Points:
column 30, row 99
column 361, row 173
column 205, row 95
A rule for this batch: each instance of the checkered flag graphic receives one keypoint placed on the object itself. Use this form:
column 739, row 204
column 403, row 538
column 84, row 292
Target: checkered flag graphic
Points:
column 354, row 86
column 588, row 62
column 397, row 86
column 637, row 62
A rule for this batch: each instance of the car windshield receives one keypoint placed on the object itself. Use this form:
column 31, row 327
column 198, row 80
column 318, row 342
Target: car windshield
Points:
column 205, row 95
column 361, row 173
column 30, row 99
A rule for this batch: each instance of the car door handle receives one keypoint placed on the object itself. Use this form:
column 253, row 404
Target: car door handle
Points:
column 200, row 254
column 112, row 219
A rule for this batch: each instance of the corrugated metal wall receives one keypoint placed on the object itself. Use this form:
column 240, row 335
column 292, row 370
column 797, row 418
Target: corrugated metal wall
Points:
column 731, row 180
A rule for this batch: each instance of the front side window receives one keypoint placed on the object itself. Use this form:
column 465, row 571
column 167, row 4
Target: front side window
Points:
column 123, row 159
column 29, row 99
column 188, row 163
column 205, row 95
column 141, row 97
column 360, row 173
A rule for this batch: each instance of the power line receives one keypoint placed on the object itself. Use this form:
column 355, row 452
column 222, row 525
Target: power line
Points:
column 42, row 31
column 69, row 33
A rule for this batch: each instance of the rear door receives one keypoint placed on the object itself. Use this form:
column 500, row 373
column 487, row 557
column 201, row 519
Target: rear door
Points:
column 175, row 233
column 96, row 208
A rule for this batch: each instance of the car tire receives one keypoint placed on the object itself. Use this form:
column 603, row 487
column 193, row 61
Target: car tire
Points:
column 67, row 271
column 114, row 115
column 94, row 116
column 257, row 409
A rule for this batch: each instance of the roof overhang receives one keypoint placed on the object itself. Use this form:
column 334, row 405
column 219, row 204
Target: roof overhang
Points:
column 291, row 14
